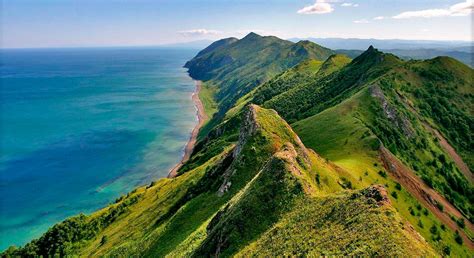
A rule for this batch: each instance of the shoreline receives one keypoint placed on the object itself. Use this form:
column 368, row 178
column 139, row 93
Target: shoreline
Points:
column 202, row 117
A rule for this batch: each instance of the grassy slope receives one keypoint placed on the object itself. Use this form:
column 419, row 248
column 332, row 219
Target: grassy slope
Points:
column 340, row 225
column 215, row 207
column 341, row 135
column 293, row 79
column 242, row 65
column 207, row 96
column 446, row 84
column 316, row 95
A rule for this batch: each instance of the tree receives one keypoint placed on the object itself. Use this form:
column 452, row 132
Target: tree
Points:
column 103, row 240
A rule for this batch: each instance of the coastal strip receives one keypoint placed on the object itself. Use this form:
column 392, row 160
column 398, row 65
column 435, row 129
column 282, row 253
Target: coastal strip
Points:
column 202, row 117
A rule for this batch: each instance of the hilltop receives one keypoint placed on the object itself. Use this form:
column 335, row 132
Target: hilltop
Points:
column 238, row 66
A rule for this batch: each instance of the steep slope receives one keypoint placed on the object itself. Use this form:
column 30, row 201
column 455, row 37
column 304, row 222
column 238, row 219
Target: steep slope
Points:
column 238, row 67
column 214, row 46
column 379, row 108
column 300, row 76
column 384, row 111
column 350, row 135
column 341, row 225
column 311, row 98
column 230, row 202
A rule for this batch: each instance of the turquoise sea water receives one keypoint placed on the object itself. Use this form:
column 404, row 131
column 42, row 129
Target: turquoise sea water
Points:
column 80, row 127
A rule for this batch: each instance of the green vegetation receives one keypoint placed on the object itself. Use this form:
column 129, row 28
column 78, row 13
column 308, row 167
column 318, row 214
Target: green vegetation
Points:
column 239, row 66
column 253, row 187
column 340, row 225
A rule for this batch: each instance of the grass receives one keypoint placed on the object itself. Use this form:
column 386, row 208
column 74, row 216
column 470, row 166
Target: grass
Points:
column 340, row 134
column 207, row 97
column 243, row 65
column 339, row 225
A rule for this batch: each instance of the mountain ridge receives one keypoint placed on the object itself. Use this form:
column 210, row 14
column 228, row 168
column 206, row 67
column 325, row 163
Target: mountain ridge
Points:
column 301, row 173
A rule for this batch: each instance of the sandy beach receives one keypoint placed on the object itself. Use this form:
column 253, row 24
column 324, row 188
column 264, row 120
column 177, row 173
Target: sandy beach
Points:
column 202, row 117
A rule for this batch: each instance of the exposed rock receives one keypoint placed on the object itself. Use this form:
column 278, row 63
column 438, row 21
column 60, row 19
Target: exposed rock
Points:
column 378, row 193
column 391, row 113
column 248, row 127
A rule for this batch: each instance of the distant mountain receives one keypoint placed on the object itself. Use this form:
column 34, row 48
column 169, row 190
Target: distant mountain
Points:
column 460, row 53
column 362, row 44
column 238, row 66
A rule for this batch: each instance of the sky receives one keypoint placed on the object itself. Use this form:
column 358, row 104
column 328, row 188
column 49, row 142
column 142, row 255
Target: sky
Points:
column 84, row 23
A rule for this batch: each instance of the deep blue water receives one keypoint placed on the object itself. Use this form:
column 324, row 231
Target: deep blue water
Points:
column 80, row 127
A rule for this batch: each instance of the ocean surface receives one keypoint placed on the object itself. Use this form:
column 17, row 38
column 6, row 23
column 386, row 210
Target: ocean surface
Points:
column 80, row 127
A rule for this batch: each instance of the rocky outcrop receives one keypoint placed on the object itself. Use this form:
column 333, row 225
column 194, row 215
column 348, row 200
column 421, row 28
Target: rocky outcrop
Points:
column 399, row 120
column 377, row 193
column 248, row 127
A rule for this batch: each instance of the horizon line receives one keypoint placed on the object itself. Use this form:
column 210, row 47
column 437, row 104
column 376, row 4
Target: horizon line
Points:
column 213, row 40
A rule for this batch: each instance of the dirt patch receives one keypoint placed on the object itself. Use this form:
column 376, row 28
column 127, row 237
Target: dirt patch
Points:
column 442, row 141
column 425, row 194
column 452, row 153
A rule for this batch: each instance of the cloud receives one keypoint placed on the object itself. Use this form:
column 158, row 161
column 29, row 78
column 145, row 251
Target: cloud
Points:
column 349, row 5
column 361, row 21
column 460, row 9
column 320, row 7
column 198, row 32
column 379, row 18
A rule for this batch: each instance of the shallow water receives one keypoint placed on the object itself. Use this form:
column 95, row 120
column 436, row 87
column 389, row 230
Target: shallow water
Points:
column 80, row 127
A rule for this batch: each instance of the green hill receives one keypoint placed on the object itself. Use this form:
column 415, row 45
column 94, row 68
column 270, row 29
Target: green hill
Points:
column 227, row 205
column 241, row 65
column 378, row 164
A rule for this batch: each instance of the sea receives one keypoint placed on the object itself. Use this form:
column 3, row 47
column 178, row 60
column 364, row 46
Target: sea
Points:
column 79, row 127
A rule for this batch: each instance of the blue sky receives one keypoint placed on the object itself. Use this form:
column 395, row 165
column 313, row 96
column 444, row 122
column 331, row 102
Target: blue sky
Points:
column 72, row 23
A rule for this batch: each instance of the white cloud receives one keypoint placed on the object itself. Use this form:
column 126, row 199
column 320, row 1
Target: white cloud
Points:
column 460, row 9
column 198, row 32
column 361, row 21
column 349, row 5
column 320, row 7
column 379, row 18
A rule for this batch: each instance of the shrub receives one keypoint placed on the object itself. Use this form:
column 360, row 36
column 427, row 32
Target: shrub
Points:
column 420, row 224
column 398, row 186
column 461, row 223
column 446, row 250
column 458, row 238
column 425, row 212
column 345, row 183
column 395, row 195
column 103, row 240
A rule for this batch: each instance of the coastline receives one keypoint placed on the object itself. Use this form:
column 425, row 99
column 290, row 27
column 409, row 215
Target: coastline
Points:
column 202, row 117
